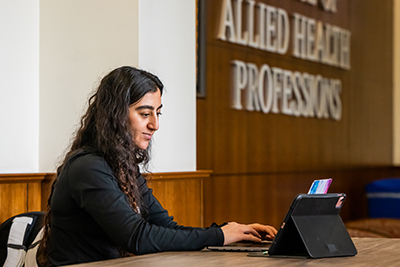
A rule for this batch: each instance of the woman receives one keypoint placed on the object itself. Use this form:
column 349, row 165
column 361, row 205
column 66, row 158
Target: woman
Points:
column 100, row 206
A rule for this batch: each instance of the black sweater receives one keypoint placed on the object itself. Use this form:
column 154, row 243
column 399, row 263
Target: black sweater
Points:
column 91, row 218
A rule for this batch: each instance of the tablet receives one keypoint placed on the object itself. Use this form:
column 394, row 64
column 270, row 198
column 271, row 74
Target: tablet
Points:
column 313, row 228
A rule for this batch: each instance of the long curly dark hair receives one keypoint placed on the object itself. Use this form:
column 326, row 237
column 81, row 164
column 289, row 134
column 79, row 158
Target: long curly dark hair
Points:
column 105, row 128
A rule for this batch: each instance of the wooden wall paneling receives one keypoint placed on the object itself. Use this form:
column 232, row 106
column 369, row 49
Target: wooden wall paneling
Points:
column 252, row 198
column 266, row 198
column 19, row 193
column 13, row 200
column 289, row 143
column 370, row 101
column 256, row 152
column 181, row 194
column 34, row 196
column 279, row 140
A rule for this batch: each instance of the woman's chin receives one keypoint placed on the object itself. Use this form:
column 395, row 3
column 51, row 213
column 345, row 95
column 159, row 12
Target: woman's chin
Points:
column 143, row 145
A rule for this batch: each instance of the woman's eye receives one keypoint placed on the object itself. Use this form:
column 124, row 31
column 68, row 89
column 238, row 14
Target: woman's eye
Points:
column 159, row 113
column 146, row 114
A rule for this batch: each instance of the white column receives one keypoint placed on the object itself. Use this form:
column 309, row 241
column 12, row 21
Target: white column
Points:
column 80, row 41
column 19, row 90
column 167, row 47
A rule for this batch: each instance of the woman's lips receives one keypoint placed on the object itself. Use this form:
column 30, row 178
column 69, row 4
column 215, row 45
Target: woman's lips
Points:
column 147, row 135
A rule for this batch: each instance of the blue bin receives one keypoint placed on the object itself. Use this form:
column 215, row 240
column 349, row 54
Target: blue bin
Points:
column 384, row 198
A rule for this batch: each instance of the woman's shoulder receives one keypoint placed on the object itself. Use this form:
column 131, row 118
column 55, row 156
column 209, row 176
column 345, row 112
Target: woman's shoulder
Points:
column 86, row 165
column 86, row 159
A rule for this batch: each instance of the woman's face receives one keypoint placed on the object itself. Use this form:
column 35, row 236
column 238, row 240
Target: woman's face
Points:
column 143, row 118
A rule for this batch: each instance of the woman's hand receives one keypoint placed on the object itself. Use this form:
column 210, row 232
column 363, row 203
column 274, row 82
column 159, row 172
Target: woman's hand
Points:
column 267, row 232
column 234, row 232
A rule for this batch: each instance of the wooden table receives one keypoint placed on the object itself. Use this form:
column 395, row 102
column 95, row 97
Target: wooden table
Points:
column 371, row 252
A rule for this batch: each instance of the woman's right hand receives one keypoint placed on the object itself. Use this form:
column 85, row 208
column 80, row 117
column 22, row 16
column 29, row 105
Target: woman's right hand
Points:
column 234, row 232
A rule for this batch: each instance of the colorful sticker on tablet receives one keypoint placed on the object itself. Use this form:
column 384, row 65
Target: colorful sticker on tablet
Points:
column 320, row 186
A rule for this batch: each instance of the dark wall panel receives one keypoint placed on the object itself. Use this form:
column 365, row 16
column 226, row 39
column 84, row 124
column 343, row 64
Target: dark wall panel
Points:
column 267, row 158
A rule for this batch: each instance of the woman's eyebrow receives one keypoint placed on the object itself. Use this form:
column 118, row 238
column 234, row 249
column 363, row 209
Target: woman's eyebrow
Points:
column 145, row 107
column 148, row 107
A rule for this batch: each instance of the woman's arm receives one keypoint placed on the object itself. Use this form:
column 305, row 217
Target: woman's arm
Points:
column 233, row 231
column 95, row 190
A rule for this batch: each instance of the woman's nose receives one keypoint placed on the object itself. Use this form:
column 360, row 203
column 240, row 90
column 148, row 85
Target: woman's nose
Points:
column 153, row 124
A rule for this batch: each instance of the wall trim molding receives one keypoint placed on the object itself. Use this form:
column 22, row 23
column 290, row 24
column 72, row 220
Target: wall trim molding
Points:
column 22, row 177
column 177, row 175
column 35, row 177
